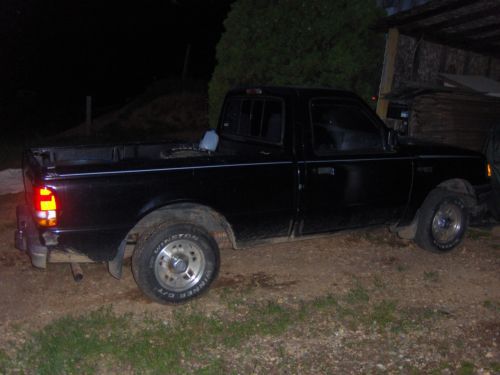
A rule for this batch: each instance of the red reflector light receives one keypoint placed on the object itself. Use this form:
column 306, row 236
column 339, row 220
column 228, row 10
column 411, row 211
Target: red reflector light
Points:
column 46, row 206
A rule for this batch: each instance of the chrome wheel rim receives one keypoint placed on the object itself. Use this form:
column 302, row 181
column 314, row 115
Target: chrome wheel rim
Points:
column 447, row 223
column 179, row 265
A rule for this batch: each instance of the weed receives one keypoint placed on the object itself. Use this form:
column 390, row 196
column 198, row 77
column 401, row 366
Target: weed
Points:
column 383, row 314
column 325, row 302
column 287, row 363
column 495, row 366
column 357, row 295
column 232, row 300
column 4, row 362
column 432, row 276
column 439, row 370
column 466, row 368
column 214, row 367
column 412, row 319
column 491, row 305
column 402, row 268
column 476, row 234
column 378, row 282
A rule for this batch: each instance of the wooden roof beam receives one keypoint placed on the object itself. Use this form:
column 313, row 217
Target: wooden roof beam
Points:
column 419, row 14
column 487, row 39
column 461, row 43
column 476, row 30
column 466, row 18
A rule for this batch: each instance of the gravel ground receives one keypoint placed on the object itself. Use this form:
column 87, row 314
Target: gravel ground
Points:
column 402, row 309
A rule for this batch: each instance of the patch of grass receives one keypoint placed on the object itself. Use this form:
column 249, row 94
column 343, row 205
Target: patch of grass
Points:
column 432, row 276
column 412, row 370
column 412, row 319
column 103, row 342
column 232, row 299
column 357, row 295
column 214, row 367
column 466, row 368
column 402, row 268
column 492, row 305
column 495, row 366
column 439, row 370
column 78, row 345
column 75, row 344
column 5, row 362
column 325, row 302
column 378, row 282
column 373, row 237
column 477, row 234
column 287, row 363
column 383, row 314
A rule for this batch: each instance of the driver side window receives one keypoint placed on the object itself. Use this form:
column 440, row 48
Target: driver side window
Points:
column 342, row 127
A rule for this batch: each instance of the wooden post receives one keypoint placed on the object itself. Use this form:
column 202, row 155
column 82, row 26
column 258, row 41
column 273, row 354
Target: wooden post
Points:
column 88, row 114
column 391, row 48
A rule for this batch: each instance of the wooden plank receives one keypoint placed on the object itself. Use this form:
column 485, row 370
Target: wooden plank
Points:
column 391, row 48
column 59, row 256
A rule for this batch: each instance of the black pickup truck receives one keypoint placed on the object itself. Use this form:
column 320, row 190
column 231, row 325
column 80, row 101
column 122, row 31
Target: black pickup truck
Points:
column 290, row 163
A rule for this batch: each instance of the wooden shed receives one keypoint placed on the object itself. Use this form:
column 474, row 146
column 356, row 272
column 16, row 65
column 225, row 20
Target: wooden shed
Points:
column 435, row 51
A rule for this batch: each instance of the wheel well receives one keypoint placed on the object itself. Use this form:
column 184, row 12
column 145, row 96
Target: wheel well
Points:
column 209, row 219
column 460, row 186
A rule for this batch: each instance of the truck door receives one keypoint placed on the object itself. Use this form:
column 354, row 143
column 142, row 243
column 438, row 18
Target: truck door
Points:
column 256, row 187
column 351, row 180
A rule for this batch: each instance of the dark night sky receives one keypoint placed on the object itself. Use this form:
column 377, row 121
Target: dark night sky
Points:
column 63, row 50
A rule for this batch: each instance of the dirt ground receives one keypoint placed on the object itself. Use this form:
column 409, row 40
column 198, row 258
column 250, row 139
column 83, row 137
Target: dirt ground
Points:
column 461, row 287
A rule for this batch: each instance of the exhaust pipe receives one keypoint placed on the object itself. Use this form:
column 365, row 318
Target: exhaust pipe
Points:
column 77, row 272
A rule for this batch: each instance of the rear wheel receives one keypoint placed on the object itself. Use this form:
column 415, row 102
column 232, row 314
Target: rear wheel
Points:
column 443, row 220
column 175, row 262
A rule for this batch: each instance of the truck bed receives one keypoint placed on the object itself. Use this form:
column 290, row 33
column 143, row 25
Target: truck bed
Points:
column 51, row 157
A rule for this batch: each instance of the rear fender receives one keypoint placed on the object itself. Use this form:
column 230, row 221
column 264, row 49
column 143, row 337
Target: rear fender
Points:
column 209, row 219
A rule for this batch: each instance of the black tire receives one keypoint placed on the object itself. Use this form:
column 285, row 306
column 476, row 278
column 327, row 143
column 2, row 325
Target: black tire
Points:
column 173, row 263
column 442, row 222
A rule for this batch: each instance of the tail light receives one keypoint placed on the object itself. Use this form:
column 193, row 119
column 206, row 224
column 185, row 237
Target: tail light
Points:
column 46, row 206
column 488, row 170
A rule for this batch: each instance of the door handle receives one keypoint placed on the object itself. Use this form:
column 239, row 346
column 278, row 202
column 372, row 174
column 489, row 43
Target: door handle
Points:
column 265, row 153
column 326, row 170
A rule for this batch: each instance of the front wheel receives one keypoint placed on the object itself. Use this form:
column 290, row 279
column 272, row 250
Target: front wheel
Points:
column 443, row 220
column 175, row 262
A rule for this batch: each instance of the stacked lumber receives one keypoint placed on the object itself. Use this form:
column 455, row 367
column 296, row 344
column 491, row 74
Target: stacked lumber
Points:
column 458, row 119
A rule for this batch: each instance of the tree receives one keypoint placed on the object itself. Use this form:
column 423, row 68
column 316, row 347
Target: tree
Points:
column 298, row 42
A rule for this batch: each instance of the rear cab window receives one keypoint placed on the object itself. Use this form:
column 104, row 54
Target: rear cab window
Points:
column 258, row 120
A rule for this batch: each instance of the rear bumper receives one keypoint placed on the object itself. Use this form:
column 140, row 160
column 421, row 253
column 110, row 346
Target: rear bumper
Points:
column 27, row 237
